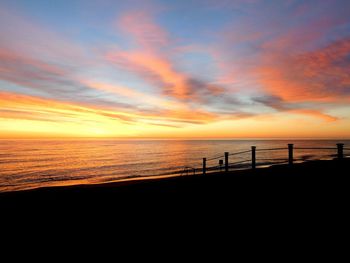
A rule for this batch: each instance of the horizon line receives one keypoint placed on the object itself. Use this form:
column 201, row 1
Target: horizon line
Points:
column 175, row 138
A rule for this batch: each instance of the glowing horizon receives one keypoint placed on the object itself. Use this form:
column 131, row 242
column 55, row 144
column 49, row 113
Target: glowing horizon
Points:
column 175, row 69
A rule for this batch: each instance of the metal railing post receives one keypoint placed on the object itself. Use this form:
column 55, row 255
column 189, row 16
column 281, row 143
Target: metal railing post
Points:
column 204, row 165
column 340, row 149
column 290, row 154
column 226, row 161
column 253, row 157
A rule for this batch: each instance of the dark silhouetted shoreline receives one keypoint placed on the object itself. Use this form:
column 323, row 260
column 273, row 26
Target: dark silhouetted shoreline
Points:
column 314, row 181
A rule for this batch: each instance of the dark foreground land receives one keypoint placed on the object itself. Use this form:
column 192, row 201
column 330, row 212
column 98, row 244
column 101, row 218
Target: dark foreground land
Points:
column 315, row 183
column 305, row 202
column 267, row 211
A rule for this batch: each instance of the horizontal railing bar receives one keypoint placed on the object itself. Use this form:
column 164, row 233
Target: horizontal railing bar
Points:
column 239, row 152
column 280, row 161
column 213, row 167
column 214, row 158
column 311, row 148
column 276, row 149
column 272, row 149
column 240, row 162
column 189, row 168
column 271, row 163
column 271, row 159
column 240, row 167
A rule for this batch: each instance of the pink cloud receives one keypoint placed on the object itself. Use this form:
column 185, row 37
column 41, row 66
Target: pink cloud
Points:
column 26, row 71
column 25, row 36
column 153, row 59
column 155, row 69
column 320, row 75
column 144, row 30
column 293, row 65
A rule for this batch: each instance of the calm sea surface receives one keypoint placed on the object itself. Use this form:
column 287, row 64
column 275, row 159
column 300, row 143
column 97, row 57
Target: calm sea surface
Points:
column 26, row 164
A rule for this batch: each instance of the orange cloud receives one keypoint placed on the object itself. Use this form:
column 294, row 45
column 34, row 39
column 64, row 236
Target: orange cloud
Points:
column 152, row 59
column 156, row 69
column 135, row 95
column 314, row 113
column 280, row 105
column 149, row 60
column 23, row 107
column 321, row 75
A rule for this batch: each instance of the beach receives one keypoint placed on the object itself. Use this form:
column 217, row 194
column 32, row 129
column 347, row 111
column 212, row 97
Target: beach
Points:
column 319, row 181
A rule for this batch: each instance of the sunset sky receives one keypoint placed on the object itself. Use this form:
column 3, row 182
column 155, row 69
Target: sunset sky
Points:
column 175, row 69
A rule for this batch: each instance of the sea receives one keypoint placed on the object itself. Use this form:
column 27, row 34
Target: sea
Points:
column 33, row 163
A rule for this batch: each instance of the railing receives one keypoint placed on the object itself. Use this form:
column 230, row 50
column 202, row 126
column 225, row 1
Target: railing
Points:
column 188, row 170
column 226, row 165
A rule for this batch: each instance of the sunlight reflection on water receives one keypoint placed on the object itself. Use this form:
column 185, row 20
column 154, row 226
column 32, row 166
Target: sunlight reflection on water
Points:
column 26, row 164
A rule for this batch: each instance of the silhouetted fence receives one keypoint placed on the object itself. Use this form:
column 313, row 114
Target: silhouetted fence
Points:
column 188, row 170
column 225, row 165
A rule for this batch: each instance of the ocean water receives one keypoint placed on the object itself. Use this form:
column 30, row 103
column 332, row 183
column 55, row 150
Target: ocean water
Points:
column 27, row 164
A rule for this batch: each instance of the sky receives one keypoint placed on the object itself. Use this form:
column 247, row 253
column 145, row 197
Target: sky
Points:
column 175, row 69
